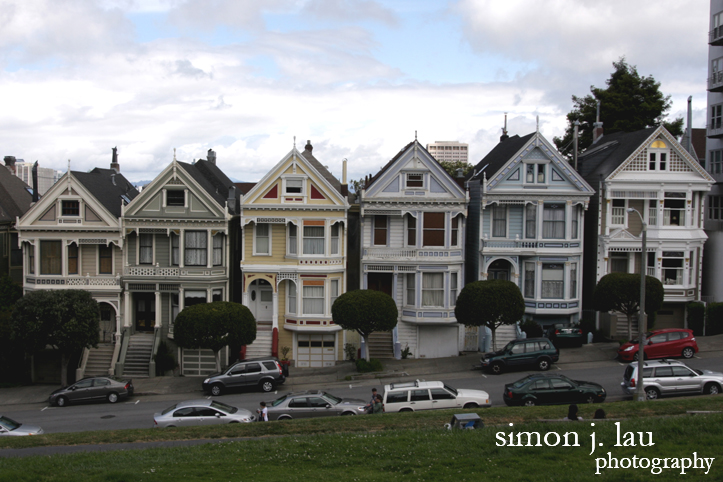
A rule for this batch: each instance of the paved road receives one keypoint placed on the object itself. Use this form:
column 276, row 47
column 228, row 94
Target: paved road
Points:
column 138, row 412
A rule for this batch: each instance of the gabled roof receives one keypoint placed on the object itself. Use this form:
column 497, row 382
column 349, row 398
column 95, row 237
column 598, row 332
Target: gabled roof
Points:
column 15, row 197
column 391, row 162
column 606, row 155
column 499, row 156
column 323, row 171
column 107, row 189
column 210, row 178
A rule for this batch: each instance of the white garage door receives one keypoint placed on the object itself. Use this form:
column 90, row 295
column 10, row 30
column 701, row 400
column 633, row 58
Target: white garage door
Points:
column 438, row 341
column 201, row 362
column 315, row 350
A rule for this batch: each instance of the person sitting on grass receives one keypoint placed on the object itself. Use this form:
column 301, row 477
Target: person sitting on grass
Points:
column 572, row 413
column 599, row 414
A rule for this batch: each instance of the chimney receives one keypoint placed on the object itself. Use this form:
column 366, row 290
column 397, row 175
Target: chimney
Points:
column 575, row 138
column 344, row 185
column 504, row 135
column 10, row 164
column 35, row 182
column 689, row 128
column 231, row 201
column 308, row 146
column 597, row 127
column 114, row 160
column 211, row 156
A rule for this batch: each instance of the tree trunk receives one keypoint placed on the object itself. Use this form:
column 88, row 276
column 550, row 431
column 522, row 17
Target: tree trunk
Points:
column 630, row 327
column 366, row 346
column 494, row 338
column 217, row 356
column 64, row 360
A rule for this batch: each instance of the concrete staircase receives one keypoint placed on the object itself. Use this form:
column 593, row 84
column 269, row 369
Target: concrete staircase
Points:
column 621, row 327
column 262, row 344
column 99, row 361
column 504, row 334
column 381, row 345
column 138, row 356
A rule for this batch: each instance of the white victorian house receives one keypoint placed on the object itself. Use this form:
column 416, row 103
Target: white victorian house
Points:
column 413, row 216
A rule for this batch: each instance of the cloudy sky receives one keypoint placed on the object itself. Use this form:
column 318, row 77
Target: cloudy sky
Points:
column 356, row 77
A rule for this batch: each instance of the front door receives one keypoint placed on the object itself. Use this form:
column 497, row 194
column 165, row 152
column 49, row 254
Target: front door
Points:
column 145, row 311
column 380, row 282
column 261, row 301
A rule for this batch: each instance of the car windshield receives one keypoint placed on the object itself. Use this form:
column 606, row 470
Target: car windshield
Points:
column 522, row 382
column 172, row 407
column 699, row 372
column 9, row 423
column 509, row 346
column 453, row 390
column 222, row 406
column 279, row 401
column 332, row 398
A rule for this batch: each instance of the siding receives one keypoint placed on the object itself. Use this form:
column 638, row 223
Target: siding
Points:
column 486, row 213
column 635, row 227
column 117, row 260
column 130, row 249
column 515, row 218
column 163, row 243
column 88, row 260
column 396, row 232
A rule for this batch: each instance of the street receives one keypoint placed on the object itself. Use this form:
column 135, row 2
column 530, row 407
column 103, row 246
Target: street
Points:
column 138, row 411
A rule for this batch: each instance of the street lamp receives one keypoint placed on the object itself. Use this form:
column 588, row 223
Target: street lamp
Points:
column 642, row 320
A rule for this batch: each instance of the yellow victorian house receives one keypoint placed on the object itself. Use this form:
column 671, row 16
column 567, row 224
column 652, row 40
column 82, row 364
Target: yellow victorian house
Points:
column 294, row 247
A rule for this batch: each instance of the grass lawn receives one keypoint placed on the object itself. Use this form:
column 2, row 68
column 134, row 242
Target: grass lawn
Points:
column 401, row 447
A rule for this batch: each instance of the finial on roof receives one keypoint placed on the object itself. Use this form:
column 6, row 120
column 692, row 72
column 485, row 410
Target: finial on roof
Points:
column 294, row 142
column 68, row 165
column 174, row 154
column 415, row 134
column 537, row 129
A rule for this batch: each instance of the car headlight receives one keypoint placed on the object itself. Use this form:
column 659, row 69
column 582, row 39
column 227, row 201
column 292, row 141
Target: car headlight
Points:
column 206, row 381
column 630, row 348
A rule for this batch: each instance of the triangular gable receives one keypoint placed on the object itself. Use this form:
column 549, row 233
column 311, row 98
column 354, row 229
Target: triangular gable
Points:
column 294, row 163
column 621, row 233
column 681, row 162
column 414, row 160
column 149, row 203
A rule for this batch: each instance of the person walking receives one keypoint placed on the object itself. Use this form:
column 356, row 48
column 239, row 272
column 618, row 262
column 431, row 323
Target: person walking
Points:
column 378, row 406
column 263, row 412
column 370, row 406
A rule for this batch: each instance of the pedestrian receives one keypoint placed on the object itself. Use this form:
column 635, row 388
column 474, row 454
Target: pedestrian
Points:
column 599, row 414
column 572, row 413
column 370, row 406
column 378, row 406
column 263, row 412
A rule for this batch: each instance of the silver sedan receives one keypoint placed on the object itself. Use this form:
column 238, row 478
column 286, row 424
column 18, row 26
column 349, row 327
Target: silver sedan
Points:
column 201, row 412
column 313, row 404
column 10, row 427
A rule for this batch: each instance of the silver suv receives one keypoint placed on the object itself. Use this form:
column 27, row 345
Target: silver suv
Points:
column 669, row 377
column 266, row 373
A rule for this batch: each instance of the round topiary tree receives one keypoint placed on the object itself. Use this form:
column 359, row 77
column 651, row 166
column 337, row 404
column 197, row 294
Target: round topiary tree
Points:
column 490, row 303
column 213, row 326
column 621, row 292
column 365, row 311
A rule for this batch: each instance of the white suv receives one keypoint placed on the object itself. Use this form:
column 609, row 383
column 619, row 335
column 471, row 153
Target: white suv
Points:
column 670, row 377
column 412, row 396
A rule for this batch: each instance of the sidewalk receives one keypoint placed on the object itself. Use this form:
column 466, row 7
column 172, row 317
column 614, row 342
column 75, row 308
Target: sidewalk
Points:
column 345, row 373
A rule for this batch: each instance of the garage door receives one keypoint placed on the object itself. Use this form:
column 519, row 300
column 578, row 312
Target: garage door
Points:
column 315, row 350
column 201, row 362
column 438, row 341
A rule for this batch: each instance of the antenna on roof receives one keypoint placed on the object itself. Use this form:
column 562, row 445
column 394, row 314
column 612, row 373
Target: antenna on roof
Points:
column 537, row 129
column 174, row 154
column 415, row 134
column 294, row 142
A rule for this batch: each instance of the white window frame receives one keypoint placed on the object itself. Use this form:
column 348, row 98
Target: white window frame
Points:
column 304, row 237
column 307, row 311
column 153, row 248
column 256, row 236
column 494, row 210
column 558, row 268
column 427, row 276
column 292, row 242
column 292, row 299
column 529, row 281
column 218, row 238
column 294, row 179
column 335, row 247
column 407, row 218
column 334, row 286
column 623, row 218
column 410, row 283
column 407, row 176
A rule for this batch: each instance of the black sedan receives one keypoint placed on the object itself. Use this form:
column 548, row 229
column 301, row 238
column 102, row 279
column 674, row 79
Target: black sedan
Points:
column 552, row 390
column 93, row 389
column 313, row 404
column 566, row 335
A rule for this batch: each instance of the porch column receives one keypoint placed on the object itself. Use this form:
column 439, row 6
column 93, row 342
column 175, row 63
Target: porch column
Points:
column 128, row 309
column 181, row 243
column 568, row 219
column 181, row 300
column 275, row 310
column 158, row 310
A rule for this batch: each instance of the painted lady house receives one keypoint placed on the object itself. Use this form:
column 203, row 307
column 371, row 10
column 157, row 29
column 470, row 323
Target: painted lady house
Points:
column 294, row 223
column 72, row 239
column 413, row 217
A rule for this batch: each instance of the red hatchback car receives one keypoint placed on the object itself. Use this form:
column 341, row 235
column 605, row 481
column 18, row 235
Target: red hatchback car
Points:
column 672, row 342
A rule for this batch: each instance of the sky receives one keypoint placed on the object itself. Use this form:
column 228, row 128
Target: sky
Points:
column 359, row 79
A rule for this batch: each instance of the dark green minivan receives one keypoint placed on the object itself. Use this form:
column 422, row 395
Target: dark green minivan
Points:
column 522, row 353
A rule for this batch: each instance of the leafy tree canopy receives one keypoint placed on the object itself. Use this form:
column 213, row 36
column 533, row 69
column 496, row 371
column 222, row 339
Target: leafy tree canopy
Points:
column 365, row 311
column 489, row 303
column 621, row 292
column 628, row 103
column 452, row 166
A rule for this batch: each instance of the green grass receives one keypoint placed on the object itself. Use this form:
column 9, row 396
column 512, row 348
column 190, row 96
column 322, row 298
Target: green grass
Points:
column 391, row 447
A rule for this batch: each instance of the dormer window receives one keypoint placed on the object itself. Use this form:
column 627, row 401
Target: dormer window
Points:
column 658, row 156
column 71, row 208
column 535, row 174
column 415, row 180
column 175, row 197
column 294, row 186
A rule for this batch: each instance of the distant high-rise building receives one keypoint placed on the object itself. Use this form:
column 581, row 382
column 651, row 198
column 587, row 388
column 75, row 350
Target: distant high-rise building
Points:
column 451, row 151
column 24, row 170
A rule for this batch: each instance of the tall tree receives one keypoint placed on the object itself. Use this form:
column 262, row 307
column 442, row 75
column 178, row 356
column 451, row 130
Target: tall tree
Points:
column 621, row 292
column 630, row 102
column 490, row 303
column 213, row 326
column 67, row 320
column 452, row 166
column 365, row 311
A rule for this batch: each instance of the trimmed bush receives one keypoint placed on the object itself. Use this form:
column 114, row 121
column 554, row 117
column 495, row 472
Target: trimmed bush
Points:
column 696, row 318
column 164, row 359
column 531, row 328
column 363, row 366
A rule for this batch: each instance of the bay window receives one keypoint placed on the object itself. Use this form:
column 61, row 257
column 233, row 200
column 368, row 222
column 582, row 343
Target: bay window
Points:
column 433, row 231
column 313, row 298
column 195, row 247
column 145, row 250
column 51, row 257
column 529, row 280
column 411, row 230
column 291, row 301
column 410, row 281
column 335, row 239
column 105, row 259
column 553, row 221
column 380, row 230
column 314, row 238
column 499, row 221
column 433, row 289
column 531, row 221
column 293, row 240
column 175, row 240
column 73, row 259
column 218, row 250
column 553, row 276
column 262, row 239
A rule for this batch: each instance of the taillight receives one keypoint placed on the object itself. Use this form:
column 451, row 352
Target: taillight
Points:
column 579, row 332
column 509, row 393
column 127, row 386
column 281, row 372
column 632, row 382
column 557, row 332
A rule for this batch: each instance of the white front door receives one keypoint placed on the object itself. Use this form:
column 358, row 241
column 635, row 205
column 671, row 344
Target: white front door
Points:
column 261, row 301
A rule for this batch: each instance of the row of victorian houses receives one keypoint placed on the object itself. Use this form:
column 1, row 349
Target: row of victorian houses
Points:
column 288, row 245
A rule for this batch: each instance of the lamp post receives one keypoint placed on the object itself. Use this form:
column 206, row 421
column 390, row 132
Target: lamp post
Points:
column 642, row 320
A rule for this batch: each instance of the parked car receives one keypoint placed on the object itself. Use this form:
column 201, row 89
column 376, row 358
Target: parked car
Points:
column 265, row 373
column 313, row 404
column 565, row 334
column 670, row 377
column 417, row 395
column 201, row 412
column 542, row 389
column 93, row 389
column 538, row 352
column 11, row 428
column 668, row 343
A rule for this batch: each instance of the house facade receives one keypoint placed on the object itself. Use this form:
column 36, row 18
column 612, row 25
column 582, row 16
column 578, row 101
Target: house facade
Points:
column 72, row 239
column 294, row 254
column 529, row 206
column 412, row 227
column 649, row 172
column 176, row 234
column 15, row 199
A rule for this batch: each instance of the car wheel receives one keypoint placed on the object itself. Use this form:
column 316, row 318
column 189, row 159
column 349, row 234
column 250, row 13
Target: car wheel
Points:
column 590, row 398
column 652, row 393
column 112, row 397
column 284, row 417
column 529, row 402
column 406, row 410
column 635, row 357
column 688, row 352
column 347, row 413
column 267, row 385
column 216, row 389
column 61, row 401
column 471, row 405
column 170, row 426
column 711, row 389
column 497, row 368
column 543, row 364
column 234, row 421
